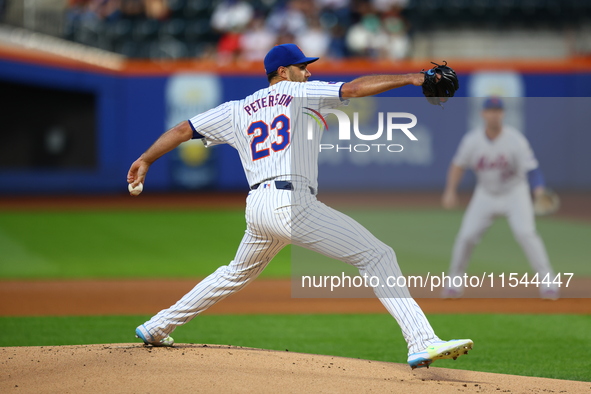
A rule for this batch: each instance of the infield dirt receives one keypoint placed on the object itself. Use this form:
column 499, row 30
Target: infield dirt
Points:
column 133, row 368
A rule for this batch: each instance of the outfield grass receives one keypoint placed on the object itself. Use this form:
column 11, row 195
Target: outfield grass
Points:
column 423, row 240
column 194, row 243
column 106, row 244
column 553, row 346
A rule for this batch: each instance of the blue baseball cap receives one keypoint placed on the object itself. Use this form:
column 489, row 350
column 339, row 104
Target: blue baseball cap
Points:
column 493, row 102
column 285, row 55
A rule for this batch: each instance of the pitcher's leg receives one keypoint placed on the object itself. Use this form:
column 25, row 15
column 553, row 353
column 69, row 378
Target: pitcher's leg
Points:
column 342, row 238
column 253, row 255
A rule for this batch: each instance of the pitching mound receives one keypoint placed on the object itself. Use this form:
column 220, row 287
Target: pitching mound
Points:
column 220, row 369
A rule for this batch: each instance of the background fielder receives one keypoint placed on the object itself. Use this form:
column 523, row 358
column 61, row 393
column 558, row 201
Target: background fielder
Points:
column 281, row 166
column 503, row 161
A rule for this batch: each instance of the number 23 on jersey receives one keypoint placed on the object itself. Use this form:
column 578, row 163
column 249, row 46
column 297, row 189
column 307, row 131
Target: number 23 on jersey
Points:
column 260, row 130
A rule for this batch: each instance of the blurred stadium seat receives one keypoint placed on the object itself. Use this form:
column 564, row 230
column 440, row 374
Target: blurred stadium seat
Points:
column 188, row 21
column 172, row 28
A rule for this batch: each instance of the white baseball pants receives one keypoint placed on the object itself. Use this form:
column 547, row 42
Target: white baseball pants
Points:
column 276, row 218
column 517, row 206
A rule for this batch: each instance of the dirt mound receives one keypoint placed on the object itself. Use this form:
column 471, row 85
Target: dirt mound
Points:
column 219, row 369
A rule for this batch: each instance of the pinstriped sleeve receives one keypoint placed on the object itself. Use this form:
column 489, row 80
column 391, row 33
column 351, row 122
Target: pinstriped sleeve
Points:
column 214, row 126
column 325, row 94
column 323, row 89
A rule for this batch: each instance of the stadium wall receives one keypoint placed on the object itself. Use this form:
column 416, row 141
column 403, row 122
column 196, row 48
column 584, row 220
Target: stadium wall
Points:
column 133, row 107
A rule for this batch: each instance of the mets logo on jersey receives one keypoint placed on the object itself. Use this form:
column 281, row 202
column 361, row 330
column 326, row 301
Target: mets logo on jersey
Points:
column 486, row 163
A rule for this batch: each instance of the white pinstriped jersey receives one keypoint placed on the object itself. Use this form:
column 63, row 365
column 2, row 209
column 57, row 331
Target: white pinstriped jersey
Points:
column 270, row 131
column 265, row 126
column 500, row 164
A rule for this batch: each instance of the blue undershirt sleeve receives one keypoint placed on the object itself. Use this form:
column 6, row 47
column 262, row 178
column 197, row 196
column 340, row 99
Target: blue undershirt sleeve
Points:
column 536, row 178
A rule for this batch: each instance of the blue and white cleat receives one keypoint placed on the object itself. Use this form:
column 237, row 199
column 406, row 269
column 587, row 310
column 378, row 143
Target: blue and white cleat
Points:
column 142, row 333
column 440, row 350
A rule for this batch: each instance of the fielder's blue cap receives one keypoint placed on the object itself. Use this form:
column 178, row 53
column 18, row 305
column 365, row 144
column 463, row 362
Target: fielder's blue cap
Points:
column 493, row 102
column 285, row 55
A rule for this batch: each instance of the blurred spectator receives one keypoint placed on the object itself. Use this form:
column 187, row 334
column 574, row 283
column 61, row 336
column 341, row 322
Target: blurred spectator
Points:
column 382, row 6
column 132, row 9
column 333, row 4
column 397, row 32
column 337, row 48
column 314, row 40
column 110, row 9
column 156, row 9
column 78, row 9
column 80, row 12
column 231, row 15
column 72, row 16
column 319, row 27
column 333, row 12
column 367, row 37
column 288, row 18
column 285, row 38
column 228, row 48
column 256, row 40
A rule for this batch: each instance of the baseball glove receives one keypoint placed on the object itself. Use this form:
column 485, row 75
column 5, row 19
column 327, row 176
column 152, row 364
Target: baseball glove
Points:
column 439, row 91
column 546, row 202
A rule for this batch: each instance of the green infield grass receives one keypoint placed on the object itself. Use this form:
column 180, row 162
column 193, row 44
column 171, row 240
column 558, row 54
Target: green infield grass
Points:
column 97, row 244
column 193, row 243
column 552, row 346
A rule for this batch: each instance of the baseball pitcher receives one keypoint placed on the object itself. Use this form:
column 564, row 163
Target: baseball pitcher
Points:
column 281, row 166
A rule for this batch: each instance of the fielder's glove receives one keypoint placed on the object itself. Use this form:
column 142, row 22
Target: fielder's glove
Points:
column 438, row 92
column 546, row 202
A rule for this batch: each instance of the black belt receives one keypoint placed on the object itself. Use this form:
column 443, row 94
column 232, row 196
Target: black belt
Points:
column 280, row 185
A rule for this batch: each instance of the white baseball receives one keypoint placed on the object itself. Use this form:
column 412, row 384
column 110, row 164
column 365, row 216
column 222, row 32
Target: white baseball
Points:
column 134, row 191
